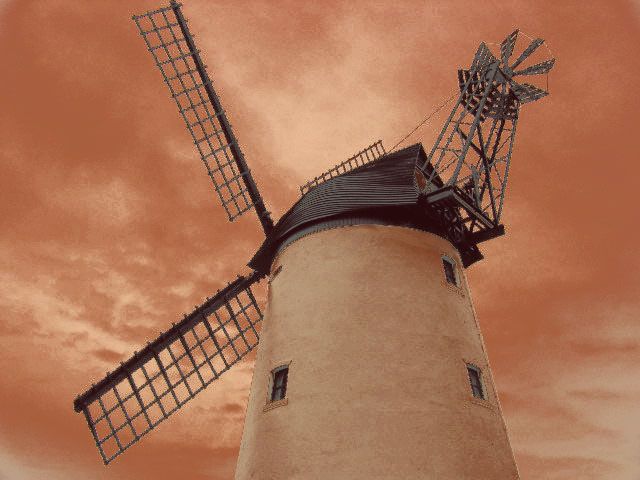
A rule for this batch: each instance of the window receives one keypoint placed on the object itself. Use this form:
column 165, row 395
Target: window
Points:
column 279, row 383
column 475, row 380
column 450, row 270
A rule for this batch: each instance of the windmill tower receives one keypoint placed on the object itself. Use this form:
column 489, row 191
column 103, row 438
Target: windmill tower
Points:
column 371, row 362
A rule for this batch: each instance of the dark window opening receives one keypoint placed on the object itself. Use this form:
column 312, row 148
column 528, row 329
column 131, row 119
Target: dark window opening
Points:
column 449, row 271
column 279, row 387
column 476, row 383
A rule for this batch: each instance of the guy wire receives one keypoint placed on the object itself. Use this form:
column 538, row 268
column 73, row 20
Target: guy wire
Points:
column 425, row 120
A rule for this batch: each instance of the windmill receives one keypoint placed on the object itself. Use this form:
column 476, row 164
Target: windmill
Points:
column 375, row 206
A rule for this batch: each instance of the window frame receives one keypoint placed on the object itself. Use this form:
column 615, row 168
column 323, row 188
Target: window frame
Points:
column 446, row 260
column 480, row 386
column 273, row 387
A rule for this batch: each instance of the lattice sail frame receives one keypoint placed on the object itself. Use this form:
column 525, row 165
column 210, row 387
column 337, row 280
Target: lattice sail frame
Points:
column 173, row 49
column 472, row 154
column 146, row 389
column 363, row 157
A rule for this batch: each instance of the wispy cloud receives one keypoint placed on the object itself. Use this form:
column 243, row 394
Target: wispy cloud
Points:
column 111, row 230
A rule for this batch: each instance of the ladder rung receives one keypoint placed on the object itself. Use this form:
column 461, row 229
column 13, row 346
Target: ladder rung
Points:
column 179, row 57
column 208, row 117
column 219, row 149
column 207, row 136
column 182, row 74
column 191, row 89
column 157, row 29
column 193, row 106
column 151, row 12
column 161, row 45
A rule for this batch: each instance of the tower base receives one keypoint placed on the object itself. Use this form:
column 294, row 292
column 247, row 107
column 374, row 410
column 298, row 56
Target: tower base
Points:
column 378, row 346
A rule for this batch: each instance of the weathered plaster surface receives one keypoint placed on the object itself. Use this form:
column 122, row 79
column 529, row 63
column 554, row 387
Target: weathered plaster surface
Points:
column 377, row 344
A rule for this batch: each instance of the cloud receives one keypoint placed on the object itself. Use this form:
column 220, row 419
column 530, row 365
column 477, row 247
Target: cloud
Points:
column 111, row 230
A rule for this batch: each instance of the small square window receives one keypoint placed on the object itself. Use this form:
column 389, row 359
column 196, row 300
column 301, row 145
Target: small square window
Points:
column 450, row 270
column 279, row 383
column 476, row 381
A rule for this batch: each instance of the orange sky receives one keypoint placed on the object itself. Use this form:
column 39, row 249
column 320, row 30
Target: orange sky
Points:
column 110, row 230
